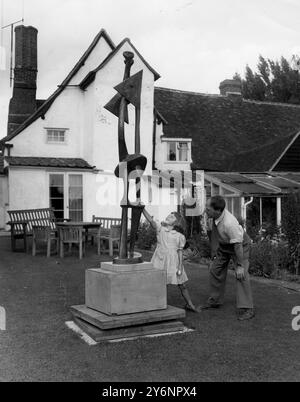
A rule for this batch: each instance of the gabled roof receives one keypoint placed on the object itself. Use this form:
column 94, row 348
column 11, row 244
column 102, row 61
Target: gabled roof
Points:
column 46, row 104
column 224, row 128
column 89, row 78
column 70, row 163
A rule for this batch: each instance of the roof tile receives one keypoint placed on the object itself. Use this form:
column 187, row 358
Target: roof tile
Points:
column 72, row 163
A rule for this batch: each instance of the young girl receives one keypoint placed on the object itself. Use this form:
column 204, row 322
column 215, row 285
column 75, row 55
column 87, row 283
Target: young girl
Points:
column 168, row 253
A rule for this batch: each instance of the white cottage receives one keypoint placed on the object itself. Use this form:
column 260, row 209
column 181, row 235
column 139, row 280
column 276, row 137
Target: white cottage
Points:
column 62, row 152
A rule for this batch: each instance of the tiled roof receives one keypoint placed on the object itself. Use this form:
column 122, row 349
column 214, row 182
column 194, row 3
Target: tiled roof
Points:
column 44, row 107
column 71, row 163
column 40, row 102
column 259, row 159
column 223, row 127
column 254, row 184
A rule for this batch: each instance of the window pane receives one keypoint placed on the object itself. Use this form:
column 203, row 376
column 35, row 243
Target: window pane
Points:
column 75, row 180
column 75, row 197
column 236, row 206
column 57, row 203
column 183, row 151
column 76, row 204
column 76, row 216
column 56, row 191
column 75, row 193
column 56, row 180
column 171, row 151
column 56, row 135
column 59, row 215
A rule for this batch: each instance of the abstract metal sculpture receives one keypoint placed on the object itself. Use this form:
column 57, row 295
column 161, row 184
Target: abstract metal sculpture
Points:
column 129, row 91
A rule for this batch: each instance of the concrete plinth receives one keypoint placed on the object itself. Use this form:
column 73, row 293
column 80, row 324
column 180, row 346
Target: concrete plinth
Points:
column 123, row 289
column 106, row 322
column 99, row 335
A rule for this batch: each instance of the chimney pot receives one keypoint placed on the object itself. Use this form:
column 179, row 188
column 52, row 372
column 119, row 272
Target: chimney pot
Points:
column 231, row 87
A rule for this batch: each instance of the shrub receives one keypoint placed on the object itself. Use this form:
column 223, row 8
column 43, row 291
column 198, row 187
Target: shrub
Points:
column 268, row 257
column 146, row 236
column 199, row 245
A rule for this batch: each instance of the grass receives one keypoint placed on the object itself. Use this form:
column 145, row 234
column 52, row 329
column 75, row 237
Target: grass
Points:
column 37, row 346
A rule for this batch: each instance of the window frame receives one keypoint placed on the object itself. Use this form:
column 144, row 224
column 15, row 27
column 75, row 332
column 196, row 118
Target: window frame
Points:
column 57, row 131
column 66, row 190
column 177, row 142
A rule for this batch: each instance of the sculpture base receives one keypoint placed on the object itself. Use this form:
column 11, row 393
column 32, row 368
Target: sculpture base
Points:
column 136, row 258
column 105, row 322
column 123, row 289
column 102, row 327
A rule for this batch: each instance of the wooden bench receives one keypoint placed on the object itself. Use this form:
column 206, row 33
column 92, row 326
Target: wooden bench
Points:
column 110, row 230
column 23, row 221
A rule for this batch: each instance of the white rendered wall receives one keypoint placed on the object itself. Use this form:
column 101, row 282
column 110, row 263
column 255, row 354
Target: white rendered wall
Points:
column 65, row 112
column 99, row 53
column 28, row 189
column 3, row 201
column 106, row 124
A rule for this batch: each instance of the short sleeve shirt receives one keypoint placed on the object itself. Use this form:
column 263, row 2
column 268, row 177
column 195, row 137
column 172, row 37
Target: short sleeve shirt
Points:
column 229, row 230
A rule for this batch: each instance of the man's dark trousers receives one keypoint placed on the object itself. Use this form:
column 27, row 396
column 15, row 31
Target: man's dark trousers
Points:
column 218, row 274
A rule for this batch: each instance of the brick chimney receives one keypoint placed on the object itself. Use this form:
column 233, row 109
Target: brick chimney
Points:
column 23, row 101
column 230, row 87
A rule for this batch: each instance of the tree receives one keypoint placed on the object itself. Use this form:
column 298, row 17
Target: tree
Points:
column 274, row 81
column 253, row 86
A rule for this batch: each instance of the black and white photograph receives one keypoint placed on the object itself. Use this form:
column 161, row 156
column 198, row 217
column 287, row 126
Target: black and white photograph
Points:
column 149, row 194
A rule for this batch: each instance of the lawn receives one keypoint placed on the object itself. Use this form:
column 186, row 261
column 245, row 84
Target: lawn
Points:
column 37, row 346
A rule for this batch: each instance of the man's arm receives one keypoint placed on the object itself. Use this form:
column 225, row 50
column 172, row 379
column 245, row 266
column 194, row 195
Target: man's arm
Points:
column 238, row 250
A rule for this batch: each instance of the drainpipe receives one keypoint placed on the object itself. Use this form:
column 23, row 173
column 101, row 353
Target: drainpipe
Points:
column 244, row 209
column 154, row 140
column 260, row 213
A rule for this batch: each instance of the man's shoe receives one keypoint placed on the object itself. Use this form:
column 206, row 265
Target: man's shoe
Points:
column 245, row 314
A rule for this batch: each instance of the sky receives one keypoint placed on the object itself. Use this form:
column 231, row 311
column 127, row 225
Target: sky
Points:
column 192, row 44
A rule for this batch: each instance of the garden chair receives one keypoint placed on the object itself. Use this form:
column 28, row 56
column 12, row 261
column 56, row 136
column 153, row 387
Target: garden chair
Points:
column 112, row 236
column 44, row 234
column 72, row 235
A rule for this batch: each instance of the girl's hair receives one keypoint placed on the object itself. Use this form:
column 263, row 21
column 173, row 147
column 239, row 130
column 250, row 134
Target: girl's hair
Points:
column 180, row 225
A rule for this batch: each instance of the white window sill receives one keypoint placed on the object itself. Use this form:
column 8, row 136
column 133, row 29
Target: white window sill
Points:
column 177, row 162
column 56, row 143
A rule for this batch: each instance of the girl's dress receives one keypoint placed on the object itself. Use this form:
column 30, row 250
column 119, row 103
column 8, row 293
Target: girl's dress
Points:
column 165, row 256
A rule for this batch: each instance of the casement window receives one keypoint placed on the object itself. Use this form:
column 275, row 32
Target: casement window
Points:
column 56, row 135
column 178, row 151
column 66, row 195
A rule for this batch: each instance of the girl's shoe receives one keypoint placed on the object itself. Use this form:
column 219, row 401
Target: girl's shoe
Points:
column 191, row 308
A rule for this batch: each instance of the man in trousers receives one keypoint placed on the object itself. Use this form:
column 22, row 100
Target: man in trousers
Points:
column 228, row 241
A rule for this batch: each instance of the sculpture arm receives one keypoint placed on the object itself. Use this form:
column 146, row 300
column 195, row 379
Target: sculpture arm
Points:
column 149, row 219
